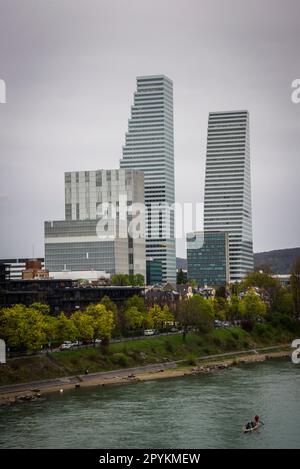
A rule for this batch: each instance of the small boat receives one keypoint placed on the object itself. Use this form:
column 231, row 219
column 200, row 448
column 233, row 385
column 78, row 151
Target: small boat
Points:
column 249, row 428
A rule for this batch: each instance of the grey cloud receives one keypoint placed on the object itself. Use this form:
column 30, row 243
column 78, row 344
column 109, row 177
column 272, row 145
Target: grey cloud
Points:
column 70, row 69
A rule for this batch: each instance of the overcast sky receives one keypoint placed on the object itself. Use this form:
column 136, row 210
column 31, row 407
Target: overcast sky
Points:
column 70, row 68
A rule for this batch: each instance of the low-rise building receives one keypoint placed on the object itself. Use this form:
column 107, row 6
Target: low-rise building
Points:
column 61, row 295
column 4, row 273
column 34, row 269
column 17, row 265
column 284, row 279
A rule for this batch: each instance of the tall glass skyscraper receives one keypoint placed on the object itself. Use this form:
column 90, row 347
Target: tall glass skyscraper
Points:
column 149, row 147
column 227, row 197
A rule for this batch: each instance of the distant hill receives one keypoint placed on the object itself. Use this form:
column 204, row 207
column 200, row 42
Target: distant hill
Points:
column 279, row 261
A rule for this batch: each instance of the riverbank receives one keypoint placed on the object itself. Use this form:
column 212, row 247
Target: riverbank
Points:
column 10, row 395
column 138, row 353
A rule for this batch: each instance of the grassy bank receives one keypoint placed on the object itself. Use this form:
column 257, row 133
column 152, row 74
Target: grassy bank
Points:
column 139, row 352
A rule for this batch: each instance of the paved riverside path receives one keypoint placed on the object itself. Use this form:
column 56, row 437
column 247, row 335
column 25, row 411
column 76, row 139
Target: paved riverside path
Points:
column 121, row 373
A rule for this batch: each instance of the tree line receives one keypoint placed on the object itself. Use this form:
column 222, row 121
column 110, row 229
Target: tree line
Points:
column 30, row 328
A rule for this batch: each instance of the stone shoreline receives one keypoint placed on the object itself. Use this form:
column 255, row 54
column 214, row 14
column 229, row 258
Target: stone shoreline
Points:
column 174, row 371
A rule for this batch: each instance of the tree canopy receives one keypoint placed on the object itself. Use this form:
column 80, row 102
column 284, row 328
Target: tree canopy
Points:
column 128, row 280
column 252, row 307
column 159, row 317
column 196, row 312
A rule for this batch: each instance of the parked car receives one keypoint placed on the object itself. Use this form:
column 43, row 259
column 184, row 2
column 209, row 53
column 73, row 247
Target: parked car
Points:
column 67, row 345
column 149, row 331
column 174, row 329
column 98, row 341
column 76, row 343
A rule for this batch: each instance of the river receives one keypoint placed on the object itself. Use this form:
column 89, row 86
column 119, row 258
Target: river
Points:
column 204, row 411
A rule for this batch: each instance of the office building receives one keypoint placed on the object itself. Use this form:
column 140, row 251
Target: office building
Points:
column 103, row 228
column 208, row 258
column 227, row 197
column 15, row 267
column 149, row 147
column 154, row 271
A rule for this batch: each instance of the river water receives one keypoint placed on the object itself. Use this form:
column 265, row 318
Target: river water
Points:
column 205, row 411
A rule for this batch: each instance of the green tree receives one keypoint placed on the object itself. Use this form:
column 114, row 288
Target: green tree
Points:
column 102, row 320
column 32, row 329
column 263, row 281
column 84, row 325
column 120, row 280
column 109, row 304
column 50, row 328
column 284, row 302
column 65, row 329
column 134, row 318
column 196, row 312
column 160, row 316
column 260, row 280
column 9, row 325
column 295, row 286
column 137, row 302
column 22, row 327
column 41, row 307
column 221, row 308
column 136, row 280
column 181, row 277
column 139, row 280
column 234, row 308
column 252, row 306
column 221, row 292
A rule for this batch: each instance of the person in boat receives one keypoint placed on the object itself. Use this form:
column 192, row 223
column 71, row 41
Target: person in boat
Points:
column 253, row 424
column 255, row 421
